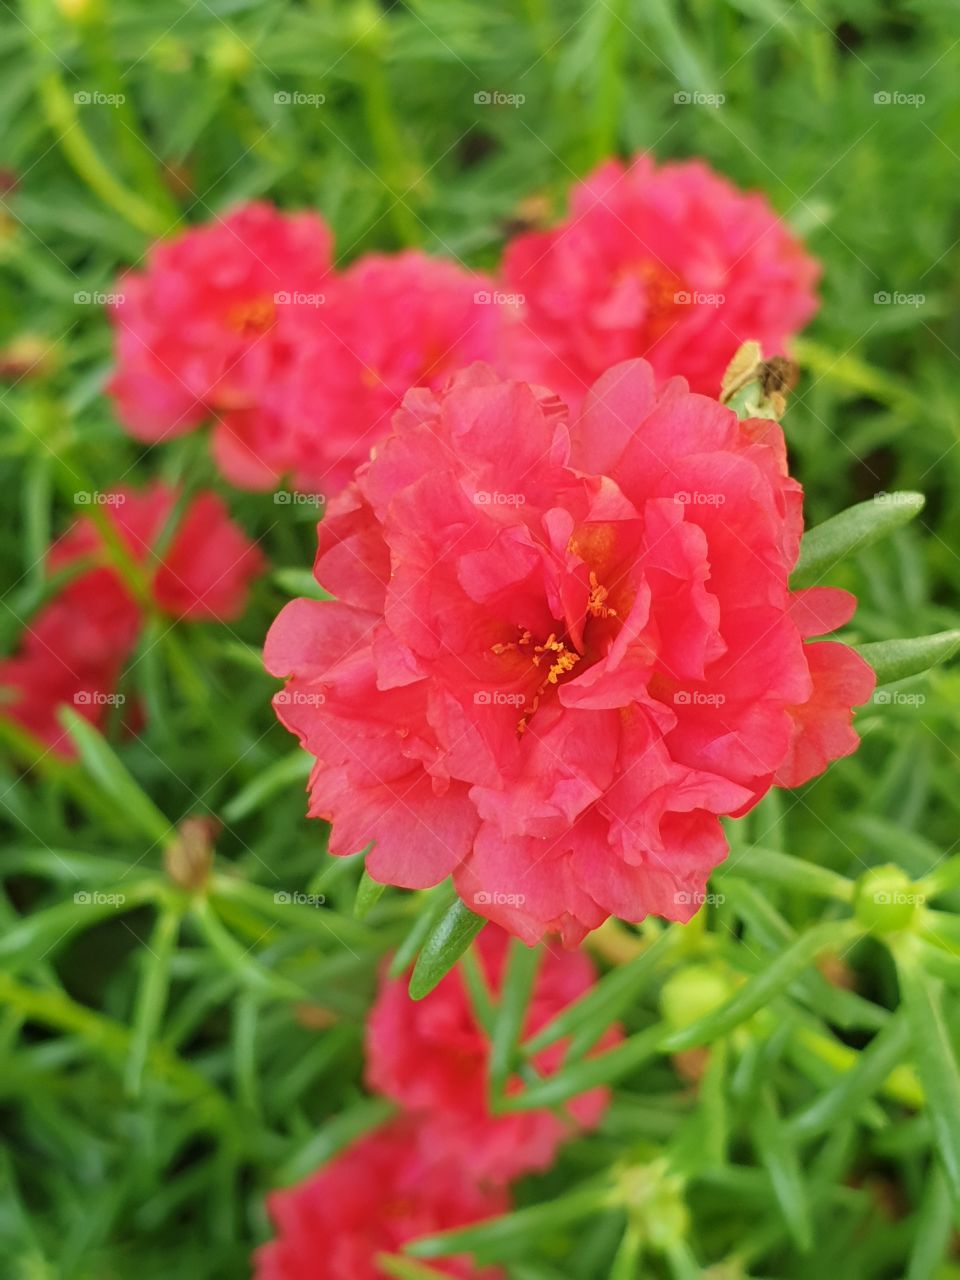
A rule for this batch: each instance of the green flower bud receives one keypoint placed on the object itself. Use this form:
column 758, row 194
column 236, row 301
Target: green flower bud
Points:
column 653, row 1199
column 886, row 900
column 691, row 993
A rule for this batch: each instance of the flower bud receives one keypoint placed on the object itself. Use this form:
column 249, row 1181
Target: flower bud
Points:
column 886, row 900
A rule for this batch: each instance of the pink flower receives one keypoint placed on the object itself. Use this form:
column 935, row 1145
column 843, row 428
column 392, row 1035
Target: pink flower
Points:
column 432, row 1057
column 672, row 264
column 383, row 1191
column 393, row 322
column 75, row 648
column 203, row 571
column 559, row 653
column 72, row 653
column 210, row 325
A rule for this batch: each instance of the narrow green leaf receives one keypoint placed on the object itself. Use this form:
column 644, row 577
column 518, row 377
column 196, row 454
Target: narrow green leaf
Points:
column 587, row 1018
column 933, row 1230
column 935, row 1059
column 777, row 1151
column 151, row 997
column 896, row 659
column 626, row 1264
column 764, row 987
column 939, row 962
column 41, row 934
column 287, row 772
column 478, row 990
column 524, row 1227
column 443, row 948
column 834, row 1004
column 407, row 1269
column 787, row 871
column 251, row 975
column 682, row 1261
column 37, row 497
column 702, row 1140
column 852, row 530
column 580, row 1076
column 872, row 1067
column 368, row 895
column 243, row 1034
column 99, row 760
column 432, row 906
column 518, row 979
column 291, row 909
column 300, row 582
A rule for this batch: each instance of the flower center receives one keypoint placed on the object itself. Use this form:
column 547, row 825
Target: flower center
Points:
column 663, row 292
column 253, row 317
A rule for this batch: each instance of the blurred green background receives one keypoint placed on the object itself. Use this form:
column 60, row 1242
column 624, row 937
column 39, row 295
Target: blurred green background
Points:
column 163, row 1065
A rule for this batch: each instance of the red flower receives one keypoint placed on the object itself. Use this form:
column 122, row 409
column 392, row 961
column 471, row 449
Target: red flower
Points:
column 210, row 325
column 393, row 322
column 432, row 1057
column 672, row 264
column 558, row 655
column 383, row 1191
column 74, row 649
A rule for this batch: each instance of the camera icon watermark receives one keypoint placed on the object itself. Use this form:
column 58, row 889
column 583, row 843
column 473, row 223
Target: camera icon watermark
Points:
column 496, row 298
column 494, row 898
column 299, row 698
column 283, row 298
column 894, row 499
column 897, row 698
column 498, row 698
column 698, row 498
column 698, row 698
column 688, row 898
column 686, row 298
column 96, row 698
column 694, row 98
column 897, row 897
column 98, row 498
column 884, row 298
column 294, row 98
column 296, row 898
column 894, row 98
column 496, row 498
column 494, row 98
column 94, row 898
column 294, row 498
column 93, row 98
column 85, row 298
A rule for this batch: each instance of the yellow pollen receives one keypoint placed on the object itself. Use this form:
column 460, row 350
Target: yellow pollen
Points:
column 505, row 647
column 561, row 661
column 595, row 602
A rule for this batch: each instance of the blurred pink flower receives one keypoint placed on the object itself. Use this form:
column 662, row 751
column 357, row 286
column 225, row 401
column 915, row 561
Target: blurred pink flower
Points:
column 211, row 324
column 385, row 1190
column 393, row 322
column 673, row 264
column 300, row 367
column 433, row 1057
column 74, row 649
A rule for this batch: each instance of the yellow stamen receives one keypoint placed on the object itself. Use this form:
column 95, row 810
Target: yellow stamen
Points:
column 595, row 602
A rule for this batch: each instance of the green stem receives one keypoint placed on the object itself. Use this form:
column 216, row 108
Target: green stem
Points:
column 111, row 1040
column 392, row 156
column 63, row 118
column 140, row 160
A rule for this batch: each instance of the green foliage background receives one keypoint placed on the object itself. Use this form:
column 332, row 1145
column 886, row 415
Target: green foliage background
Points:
column 160, row 1062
